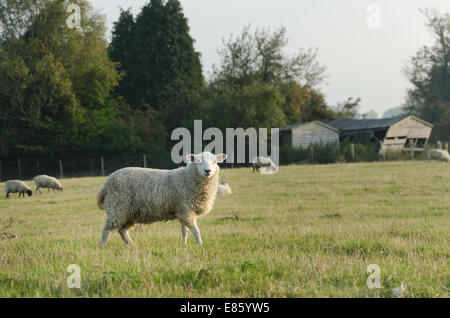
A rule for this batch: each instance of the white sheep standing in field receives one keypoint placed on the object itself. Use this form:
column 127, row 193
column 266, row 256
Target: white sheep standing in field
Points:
column 17, row 186
column 44, row 181
column 438, row 154
column 266, row 164
column 224, row 188
column 142, row 196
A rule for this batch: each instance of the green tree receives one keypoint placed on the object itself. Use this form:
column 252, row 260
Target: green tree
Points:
column 56, row 84
column 162, row 69
column 260, row 57
column 258, row 85
column 303, row 104
column 346, row 110
column 429, row 74
column 257, row 105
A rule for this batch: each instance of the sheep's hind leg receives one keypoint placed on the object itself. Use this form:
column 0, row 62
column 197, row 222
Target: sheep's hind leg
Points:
column 125, row 235
column 106, row 233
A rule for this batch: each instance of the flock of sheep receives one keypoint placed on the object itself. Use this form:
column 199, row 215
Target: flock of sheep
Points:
column 133, row 196
column 42, row 181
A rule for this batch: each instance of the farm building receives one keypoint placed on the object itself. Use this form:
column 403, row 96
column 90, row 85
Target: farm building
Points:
column 302, row 135
column 397, row 133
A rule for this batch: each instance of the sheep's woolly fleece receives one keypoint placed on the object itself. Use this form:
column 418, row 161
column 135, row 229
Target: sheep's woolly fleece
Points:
column 438, row 154
column 17, row 186
column 140, row 195
column 265, row 165
column 44, row 181
column 224, row 188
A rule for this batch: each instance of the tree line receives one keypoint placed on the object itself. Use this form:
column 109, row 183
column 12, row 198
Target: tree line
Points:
column 69, row 93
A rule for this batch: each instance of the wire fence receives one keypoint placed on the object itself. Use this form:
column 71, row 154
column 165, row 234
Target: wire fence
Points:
column 72, row 167
column 79, row 166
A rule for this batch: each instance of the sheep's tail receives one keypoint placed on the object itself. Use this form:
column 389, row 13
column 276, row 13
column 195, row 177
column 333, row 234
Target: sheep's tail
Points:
column 101, row 196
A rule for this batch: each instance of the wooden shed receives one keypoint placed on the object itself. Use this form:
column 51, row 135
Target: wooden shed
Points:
column 396, row 133
column 302, row 135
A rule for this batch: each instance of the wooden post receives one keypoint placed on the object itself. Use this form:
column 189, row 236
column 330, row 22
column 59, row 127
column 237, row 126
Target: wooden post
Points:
column 102, row 162
column 411, row 149
column 0, row 171
column 20, row 169
column 145, row 161
column 446, row 146
column 353, row 152
column 383, row 151
column 60, row 169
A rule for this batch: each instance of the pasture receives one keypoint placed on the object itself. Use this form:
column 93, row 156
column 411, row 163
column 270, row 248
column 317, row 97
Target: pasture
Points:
column 307, row 231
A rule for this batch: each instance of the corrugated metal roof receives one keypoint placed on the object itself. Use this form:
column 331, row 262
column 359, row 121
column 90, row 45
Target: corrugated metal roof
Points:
column 363, row 124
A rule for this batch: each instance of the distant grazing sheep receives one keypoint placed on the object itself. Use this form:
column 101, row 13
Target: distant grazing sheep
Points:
column 438, row 154
column 139, row 195
column 44, row 181
column 16, row 186
column 224, row 188
column 265, row 163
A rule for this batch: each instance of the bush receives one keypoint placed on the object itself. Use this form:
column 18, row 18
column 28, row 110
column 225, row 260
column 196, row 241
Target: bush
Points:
column 329, row 153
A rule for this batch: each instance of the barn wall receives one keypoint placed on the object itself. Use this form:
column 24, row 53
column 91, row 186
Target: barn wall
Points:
column 409, row 128
column 313, row 133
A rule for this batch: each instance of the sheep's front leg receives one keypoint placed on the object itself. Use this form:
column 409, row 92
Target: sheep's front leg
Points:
column 184, row 233
column 196, row 232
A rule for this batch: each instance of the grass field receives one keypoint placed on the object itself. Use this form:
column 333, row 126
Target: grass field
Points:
column 308, row 231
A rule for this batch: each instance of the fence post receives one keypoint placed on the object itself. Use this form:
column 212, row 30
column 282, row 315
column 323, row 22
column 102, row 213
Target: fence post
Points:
column 411, row 151
column 383, row 151
column 60, row 169
column 446, row 147
column 20, row 169
column 102, row 161
column 0, row 171
column 353, row 152
column 145, row 161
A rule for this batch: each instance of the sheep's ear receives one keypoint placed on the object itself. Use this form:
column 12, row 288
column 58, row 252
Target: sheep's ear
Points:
column 191, row 158
column 221, row 158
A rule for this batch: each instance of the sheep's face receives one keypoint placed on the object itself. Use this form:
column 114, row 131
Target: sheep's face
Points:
column 206, row 163
column 30, row 193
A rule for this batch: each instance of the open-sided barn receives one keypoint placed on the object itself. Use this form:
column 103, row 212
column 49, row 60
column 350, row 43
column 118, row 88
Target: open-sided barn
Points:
column 397, row 133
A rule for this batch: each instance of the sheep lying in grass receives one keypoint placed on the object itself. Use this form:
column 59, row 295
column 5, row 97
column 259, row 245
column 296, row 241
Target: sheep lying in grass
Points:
column 139, row 195
column 16, row 186
column 44, row 181
column 266, row 164
column 224, row 188
column 438, row 154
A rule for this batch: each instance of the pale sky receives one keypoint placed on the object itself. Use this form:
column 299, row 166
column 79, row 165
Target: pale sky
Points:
column 361, row 61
